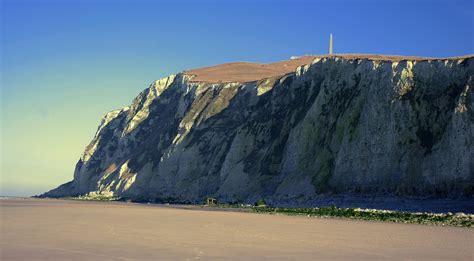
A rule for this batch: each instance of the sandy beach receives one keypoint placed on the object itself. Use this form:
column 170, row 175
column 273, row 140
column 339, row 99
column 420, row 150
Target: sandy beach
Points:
column 44, row 229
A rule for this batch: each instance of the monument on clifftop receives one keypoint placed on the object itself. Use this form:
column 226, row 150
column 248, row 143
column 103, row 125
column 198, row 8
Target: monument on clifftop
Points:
column 330, row 44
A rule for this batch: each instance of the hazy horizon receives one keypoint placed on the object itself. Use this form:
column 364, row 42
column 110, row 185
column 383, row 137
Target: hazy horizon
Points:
column 64, row 64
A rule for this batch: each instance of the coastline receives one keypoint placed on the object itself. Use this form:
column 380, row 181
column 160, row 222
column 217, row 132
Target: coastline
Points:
column 458, row 219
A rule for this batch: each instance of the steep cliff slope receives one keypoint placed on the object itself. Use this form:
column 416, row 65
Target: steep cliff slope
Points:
column 339, row 124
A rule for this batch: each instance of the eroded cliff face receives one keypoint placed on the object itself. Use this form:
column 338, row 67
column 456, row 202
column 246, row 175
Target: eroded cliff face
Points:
column 333, row 126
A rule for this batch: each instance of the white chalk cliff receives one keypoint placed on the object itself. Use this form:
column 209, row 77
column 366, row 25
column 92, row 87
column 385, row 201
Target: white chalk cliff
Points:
column 333, row 126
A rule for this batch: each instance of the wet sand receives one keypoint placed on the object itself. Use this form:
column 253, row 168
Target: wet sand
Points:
column 42, row 229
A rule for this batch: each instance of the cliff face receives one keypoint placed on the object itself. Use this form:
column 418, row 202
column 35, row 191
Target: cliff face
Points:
column 333, row 126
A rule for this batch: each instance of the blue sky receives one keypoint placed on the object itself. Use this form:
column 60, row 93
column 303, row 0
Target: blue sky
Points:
column 65, row 63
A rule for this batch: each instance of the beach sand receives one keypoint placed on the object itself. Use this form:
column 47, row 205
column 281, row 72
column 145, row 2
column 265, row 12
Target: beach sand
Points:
column 48, row 229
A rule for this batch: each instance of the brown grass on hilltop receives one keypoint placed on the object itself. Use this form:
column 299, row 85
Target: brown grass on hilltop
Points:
column 248, row 71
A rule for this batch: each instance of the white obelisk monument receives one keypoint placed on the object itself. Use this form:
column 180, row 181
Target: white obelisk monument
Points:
column 330, row 44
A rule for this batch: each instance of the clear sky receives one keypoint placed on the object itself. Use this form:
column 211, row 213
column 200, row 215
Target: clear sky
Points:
column 66, row 63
